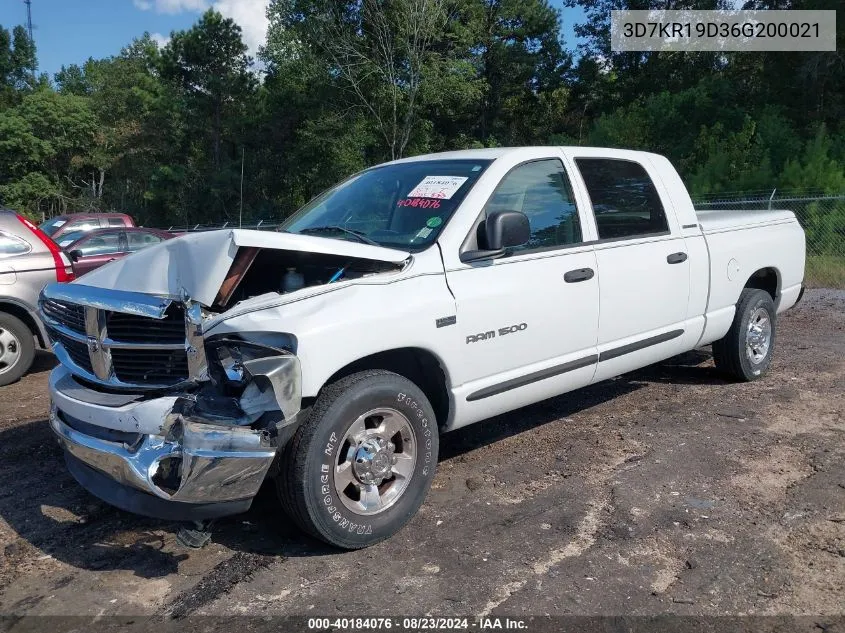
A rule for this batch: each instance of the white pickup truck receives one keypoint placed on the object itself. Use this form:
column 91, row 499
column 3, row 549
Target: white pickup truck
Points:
column 414, row 298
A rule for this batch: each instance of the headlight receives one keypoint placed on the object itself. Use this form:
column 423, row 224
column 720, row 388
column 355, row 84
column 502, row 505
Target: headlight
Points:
column 226, row 358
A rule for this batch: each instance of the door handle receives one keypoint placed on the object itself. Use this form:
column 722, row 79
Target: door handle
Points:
column 676, row 258
column 579, row 274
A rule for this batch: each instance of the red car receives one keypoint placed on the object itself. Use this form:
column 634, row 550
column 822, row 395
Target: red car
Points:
column 62, row 225
column 91, row 249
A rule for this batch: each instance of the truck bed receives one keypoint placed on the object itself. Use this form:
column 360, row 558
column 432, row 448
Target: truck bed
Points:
column 719, row 220
column 740, row 242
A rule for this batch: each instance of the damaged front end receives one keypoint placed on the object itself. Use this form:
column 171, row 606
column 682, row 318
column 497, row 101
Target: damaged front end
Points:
column 154, row 418
column 157, row 415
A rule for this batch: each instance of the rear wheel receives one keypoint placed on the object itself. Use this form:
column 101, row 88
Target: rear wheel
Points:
column 17, row 349
column 745, row 353
column 361, row 464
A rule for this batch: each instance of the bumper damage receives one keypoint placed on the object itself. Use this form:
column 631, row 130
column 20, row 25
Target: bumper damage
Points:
column 190, row 456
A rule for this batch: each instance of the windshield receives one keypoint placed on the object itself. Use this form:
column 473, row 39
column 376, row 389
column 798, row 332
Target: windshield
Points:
column 403, row 205
column 69, row 238
column 51, row 226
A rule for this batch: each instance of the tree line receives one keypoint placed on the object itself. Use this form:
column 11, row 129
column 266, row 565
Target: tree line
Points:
column 197, row 131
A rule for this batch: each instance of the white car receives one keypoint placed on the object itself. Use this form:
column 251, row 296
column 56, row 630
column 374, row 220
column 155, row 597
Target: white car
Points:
column 414, row 298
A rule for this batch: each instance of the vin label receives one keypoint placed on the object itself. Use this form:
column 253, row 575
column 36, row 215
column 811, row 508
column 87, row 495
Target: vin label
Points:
column 743, row 31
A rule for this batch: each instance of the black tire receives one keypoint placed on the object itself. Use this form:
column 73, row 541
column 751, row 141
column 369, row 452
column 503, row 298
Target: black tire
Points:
column 306, row 483
column 23, row 342
column 730, row 354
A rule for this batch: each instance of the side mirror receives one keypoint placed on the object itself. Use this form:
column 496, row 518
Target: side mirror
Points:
column 75, row 255
column 504, row 229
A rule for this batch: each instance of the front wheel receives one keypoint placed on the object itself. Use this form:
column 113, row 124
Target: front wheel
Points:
column 361, row 464
column 17, row 349
column 745, row 353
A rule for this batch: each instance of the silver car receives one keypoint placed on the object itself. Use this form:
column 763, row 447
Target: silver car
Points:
column 28, row 260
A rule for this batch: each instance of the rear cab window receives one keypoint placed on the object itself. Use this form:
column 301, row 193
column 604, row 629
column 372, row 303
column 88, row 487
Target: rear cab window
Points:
column 625, row 201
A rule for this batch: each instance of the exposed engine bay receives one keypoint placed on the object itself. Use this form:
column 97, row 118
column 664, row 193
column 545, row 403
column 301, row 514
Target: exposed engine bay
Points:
column 257, row 271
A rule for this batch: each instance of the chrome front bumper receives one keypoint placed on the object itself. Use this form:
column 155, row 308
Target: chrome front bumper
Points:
column 183, row 467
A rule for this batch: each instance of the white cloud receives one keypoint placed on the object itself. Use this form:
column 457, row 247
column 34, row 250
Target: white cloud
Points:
column 250, row 15
column 161, row 40
column 171, row 6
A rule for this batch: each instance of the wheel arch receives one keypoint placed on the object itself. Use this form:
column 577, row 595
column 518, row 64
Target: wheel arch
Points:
column 25, row 315
column 767, row 279
column 421, row 366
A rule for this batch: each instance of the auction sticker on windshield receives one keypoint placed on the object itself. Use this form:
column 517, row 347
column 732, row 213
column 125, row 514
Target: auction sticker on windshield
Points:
column 442, row 187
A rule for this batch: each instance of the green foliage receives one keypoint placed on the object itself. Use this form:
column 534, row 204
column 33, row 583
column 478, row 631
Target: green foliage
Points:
column 165, row 134
column 44, row 150
column 816, row 168
column 17, row 64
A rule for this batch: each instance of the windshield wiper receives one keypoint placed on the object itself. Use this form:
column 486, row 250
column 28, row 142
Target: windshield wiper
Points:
column 360, row 236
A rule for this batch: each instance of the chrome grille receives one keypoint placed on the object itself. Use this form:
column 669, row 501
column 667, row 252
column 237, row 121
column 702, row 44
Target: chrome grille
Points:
column 137, row 329
column 70, row 315
column 77, row 350
column 118, row 349
column 162, row 367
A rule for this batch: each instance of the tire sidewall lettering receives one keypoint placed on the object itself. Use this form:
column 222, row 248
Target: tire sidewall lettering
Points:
column 333, row 510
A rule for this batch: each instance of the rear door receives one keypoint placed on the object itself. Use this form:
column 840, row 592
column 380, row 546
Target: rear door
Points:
column 26, row 265
column 642, row 260
column 12, row 248
column 527, row 320
column 138, row 240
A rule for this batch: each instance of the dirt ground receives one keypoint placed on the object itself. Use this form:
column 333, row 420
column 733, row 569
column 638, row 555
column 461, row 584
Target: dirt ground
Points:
column 668, row 490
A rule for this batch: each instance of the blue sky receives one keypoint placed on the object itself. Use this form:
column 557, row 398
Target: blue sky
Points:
column 71, row 31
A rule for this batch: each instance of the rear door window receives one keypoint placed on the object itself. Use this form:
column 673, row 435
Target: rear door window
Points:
column 625, row 201
column 139, row 240
column 116, row 222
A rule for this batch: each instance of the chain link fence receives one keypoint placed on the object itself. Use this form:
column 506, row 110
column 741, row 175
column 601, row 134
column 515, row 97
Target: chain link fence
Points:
column 823, row 219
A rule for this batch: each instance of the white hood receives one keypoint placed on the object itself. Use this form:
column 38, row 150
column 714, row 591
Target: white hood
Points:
column 198, row 262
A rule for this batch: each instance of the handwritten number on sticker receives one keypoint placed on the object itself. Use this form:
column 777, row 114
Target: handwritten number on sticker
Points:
column 420, row 203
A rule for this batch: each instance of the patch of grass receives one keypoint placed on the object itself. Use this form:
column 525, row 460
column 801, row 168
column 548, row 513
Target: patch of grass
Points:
column 825, row 271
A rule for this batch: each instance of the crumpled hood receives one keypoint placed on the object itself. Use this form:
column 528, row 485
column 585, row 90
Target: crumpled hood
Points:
column 197, row 263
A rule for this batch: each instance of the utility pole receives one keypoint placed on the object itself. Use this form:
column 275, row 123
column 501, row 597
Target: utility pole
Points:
column 28, row 4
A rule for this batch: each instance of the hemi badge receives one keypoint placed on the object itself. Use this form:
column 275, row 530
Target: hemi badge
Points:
column 444, row 321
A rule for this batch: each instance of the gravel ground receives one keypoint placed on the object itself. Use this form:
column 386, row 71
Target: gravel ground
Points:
column 668, row 490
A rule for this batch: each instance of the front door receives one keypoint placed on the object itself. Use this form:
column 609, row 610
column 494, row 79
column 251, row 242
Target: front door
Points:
column 528, row 320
